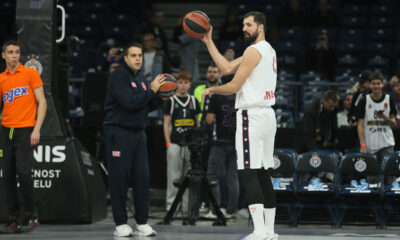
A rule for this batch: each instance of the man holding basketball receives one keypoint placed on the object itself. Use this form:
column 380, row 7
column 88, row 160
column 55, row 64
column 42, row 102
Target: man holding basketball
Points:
column 254, row 83
column 128, row 101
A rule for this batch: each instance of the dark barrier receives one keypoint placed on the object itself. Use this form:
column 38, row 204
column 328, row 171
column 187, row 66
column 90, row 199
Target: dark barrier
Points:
column 67, row 181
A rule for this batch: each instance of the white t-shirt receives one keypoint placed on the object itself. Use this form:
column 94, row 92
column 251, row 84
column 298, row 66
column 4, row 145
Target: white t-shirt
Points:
column 259, row 88
column 377, row 133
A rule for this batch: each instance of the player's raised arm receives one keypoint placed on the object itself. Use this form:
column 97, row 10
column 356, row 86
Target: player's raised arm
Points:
column 224, row 65
column 251, row 58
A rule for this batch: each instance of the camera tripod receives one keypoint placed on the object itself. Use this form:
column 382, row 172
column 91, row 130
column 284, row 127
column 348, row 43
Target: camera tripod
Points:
column 195, row 179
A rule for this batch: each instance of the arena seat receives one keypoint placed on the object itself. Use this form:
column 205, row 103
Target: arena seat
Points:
column 355, row 196
column 390, row 191
column 283, row 175
column 316, row 188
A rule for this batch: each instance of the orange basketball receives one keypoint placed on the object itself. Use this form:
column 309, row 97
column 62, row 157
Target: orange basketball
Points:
column 196, row 23
column 169, row 86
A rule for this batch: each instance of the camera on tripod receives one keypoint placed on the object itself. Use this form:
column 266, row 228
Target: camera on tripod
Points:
column 194, row 138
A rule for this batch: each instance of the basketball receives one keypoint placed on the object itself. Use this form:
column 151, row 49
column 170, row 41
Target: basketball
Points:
column 168, row 88
column 196, row 23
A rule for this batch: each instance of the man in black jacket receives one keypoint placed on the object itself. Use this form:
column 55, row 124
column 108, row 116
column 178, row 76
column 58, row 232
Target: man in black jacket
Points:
column 128, row 101
column 318, row 129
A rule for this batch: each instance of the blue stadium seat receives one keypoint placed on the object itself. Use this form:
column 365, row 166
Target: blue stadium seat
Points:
column 354, row 21
column 316, row 188
column 348, row 60
column 286, row 75
column 382, row 10
column 86, row 60
column 291, row 34
column 310, row 76
column 73, row 7
column 351, row 46
column 351, row 71
column 354, row 10
column 381, row 21
column 381, row 34
column 354, row 169
column 283, row 176
column 378, row 61
column 352, row 34
column 87, row 31
column 380, row 47
column 97, row 7
column 390, row 190
column 121, row 33
column 284, row 116
column 288, row 47
column 122, row 20
column 95, row 18
column 87, row 43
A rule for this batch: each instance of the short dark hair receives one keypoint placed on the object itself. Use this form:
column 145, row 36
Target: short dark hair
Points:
column 8, row 43
column 259, row 18
column 376, row 76
column 331, row 95
column 132, row 44
column 212, row 64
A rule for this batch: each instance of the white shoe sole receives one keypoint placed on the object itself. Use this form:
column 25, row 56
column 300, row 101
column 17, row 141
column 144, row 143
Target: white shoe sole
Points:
column 138, row 233
column 122, row 235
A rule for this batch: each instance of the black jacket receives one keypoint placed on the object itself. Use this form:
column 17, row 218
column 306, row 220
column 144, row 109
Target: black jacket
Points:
column 129, row 99
column 315, row 117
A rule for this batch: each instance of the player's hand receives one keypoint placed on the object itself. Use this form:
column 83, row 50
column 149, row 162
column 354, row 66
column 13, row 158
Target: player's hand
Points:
column 157, row 82
column 207, row 91
column 207, row 38
column 35, row 137
column 364, row 149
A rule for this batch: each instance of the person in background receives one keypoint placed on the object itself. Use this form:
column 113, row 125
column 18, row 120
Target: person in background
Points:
column 180, row 114
column 188, row 50
column 342, row 116
column 396, row 100
column 376, row 117
column 321, row 59
column 24, row 109
column 318, row 129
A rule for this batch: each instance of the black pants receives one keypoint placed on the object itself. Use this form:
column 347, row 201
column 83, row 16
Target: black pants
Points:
column 17, row 159
column 126, row 154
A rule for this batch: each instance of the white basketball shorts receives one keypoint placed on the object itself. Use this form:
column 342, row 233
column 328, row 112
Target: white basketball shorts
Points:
column 255, row 138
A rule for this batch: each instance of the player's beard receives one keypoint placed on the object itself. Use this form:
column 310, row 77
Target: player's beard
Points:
column 250, row 38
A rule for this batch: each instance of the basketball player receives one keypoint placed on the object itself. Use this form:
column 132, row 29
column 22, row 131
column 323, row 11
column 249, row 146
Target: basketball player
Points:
column 254, row 83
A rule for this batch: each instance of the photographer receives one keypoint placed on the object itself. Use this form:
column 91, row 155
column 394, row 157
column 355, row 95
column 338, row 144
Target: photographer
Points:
column 180, row 114
column 376, row 117
column 114, row 55
column 318, row 129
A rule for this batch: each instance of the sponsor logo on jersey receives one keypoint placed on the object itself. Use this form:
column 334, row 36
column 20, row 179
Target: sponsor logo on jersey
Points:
column 116, row 153
column 269, row 95
column 144, row 86
column 315, row 161
column 13, row 93
column 133, row 84
column 184, row 123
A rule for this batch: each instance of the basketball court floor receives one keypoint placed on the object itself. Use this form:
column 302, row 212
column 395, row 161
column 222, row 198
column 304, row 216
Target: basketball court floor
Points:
column 203, row 230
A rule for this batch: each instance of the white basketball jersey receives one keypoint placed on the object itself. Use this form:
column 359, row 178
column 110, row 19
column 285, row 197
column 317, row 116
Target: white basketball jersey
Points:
column 377, row 133
column 259, row 88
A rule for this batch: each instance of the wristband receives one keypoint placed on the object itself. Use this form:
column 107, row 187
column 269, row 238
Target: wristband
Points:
column 168, row 144
column 363, row 145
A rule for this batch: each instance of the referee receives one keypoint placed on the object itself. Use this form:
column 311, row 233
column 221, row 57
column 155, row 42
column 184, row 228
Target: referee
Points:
column 24, row 109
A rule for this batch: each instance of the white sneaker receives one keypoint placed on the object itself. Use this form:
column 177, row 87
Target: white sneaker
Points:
column 253, row 236
column 210, row 215
column 275, row 237
column 123, row 230
column 144, row 230
column 227, row 215
column 243, row 213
